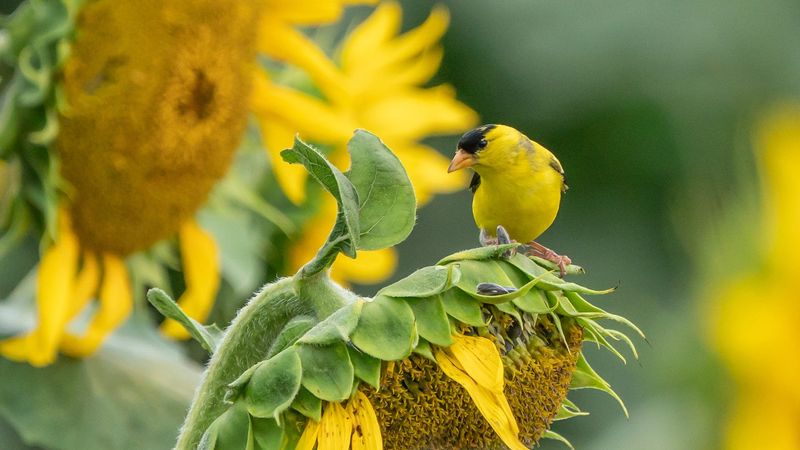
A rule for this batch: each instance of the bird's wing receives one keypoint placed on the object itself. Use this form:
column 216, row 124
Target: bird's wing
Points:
column 556, row 164
column 474, row 182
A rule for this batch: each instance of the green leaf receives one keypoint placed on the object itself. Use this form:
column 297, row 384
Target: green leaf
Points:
column 267, row 434
column 584, row 377
column 462, row 307
column 479, row 253
column 308, row 405
column 291, row 332
column 386, row 329
column 230, row 431
column 336, row 327
column 424, row 282
column 432, row 323
column 327, row 371
column 550, row 434
column 386, row 196
column 208, row 336
column 534, row 302
column 549, row 281
column 274, row 385
column 366, row 367
column 335, row 182
column 423, row 348
column 106, row 402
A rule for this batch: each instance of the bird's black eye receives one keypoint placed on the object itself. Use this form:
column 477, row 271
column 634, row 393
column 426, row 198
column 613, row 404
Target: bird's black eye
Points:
column 482, row 143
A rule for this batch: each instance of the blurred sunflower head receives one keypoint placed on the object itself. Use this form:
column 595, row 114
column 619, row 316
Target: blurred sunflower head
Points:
column 119, row 131
column 766, row 410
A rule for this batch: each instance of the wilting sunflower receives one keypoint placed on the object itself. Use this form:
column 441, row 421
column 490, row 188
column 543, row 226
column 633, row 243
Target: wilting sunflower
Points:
column 375, row 85
column 757, row 311
column 118, row 132
column 477, row 351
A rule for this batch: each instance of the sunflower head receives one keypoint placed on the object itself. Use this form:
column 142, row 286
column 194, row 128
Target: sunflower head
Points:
column 156, row 110
column 479, row 349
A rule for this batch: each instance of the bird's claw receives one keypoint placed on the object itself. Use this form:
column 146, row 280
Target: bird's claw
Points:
column 562, row 261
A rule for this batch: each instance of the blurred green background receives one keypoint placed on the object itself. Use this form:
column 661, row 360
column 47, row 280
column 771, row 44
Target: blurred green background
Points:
column 649, row 105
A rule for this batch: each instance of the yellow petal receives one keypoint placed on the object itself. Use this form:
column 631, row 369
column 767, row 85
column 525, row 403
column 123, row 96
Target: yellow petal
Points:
column 284, row 43
column 366, row 429
column 54, row 286
column 312, row 118
column 480, row 359
column 335, row 428
column 308, row 12
column 276, row 137
column 85, row 285
column 116, row 302
column 371, row 266
column 763, row 419
column 200, row 258
column 492, row 405
column 309, row 437
column 367, row 38
column 373, row 84
column 400, row 52
column 421, row 112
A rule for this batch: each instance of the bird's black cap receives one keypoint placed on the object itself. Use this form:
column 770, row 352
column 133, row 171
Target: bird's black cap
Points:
column 474, row 140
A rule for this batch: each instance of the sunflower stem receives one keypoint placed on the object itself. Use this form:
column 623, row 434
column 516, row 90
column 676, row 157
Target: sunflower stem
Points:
column 245, row 343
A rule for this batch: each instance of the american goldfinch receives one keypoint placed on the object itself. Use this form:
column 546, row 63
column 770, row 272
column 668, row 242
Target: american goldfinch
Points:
column 517, row 187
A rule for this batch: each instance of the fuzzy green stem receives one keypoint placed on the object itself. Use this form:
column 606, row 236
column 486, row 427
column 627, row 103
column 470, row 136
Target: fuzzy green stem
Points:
column 246, row 342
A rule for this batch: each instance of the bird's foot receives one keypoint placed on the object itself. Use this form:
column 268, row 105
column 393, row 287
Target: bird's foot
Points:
column 537, row 249
column 501, row 238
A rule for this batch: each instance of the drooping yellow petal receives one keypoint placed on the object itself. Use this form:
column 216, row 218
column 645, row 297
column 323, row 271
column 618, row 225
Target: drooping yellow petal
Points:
column 200, row 258
column 85, row 285
column 116, row 302
column 371, row 266
column 366, row 429
column 309, row 437
column 54, row 287
column 335, row 428
column 492, row 405
column 480, row 359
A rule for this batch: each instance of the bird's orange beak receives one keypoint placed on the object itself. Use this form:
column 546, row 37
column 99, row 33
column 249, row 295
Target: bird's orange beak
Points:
column 461, row 161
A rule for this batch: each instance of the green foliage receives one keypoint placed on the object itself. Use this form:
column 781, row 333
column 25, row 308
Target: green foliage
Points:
column 208, row 336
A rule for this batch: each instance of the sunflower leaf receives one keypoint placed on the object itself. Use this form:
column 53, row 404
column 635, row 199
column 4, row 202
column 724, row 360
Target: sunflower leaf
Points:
column 335, row 182
column 386, row 329
column 432, row 323
column 336, row 327
column 424, row 282
column 327, row 370
column 387, row 207
column 208, row 336
column 274, row 385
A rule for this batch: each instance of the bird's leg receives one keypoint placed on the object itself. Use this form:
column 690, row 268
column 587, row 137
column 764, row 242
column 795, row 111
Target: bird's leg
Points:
column 537, row 249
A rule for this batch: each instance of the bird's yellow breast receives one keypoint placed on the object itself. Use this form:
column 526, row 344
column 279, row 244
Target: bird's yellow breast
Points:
column 520, row 191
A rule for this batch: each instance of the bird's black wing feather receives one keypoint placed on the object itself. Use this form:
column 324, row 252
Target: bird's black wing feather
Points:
column 475, row 182
column 555, row 164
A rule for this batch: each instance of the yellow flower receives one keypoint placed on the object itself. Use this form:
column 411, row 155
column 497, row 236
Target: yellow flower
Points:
column 756, row 314
column 376, row 86
column 475, row 364
column 151, row 120
column 352, row 427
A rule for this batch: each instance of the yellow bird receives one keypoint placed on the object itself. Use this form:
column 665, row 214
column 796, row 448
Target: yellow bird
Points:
column 517, row 187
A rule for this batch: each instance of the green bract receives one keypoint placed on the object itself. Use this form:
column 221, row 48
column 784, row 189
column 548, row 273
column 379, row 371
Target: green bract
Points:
column 304, row 340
